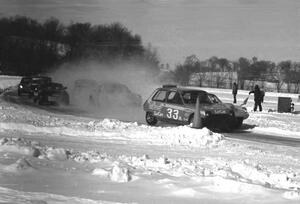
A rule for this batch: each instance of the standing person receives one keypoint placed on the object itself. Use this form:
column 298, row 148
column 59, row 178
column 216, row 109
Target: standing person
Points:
column 234, row 91
column 258, row 97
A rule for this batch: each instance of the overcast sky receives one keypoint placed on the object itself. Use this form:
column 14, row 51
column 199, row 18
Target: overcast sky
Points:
column 267, row 29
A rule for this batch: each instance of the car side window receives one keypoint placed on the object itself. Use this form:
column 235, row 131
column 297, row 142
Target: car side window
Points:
column 213, row 99
column 160, row 96
column 174, row 98
column 204, row 98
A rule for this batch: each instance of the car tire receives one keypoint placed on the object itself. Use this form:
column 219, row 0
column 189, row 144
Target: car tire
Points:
column 151, row 119
column 64, row 98
column 227, row 126
column 191, row 120
column 238, row 122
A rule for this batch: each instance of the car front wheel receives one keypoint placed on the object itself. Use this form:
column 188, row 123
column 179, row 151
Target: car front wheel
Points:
column 239, row 122
column 151, row 119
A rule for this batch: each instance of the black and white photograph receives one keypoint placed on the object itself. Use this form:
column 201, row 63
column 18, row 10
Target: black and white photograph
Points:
column 149, row 101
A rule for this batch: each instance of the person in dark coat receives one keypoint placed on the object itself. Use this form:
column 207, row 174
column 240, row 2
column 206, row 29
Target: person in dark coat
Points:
column 258, row 97
column 234, row 91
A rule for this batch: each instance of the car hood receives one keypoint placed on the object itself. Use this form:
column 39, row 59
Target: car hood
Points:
column 239, row 111
column 217, row 108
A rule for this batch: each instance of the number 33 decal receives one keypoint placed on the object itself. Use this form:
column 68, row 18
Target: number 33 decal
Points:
column 172, row 113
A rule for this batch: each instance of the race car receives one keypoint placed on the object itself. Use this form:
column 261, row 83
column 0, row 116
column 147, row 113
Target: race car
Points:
column 173, row 104
column 28, row 84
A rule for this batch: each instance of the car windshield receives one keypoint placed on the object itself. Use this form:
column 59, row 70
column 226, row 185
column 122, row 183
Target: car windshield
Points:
column 214, row 99
column 41, row 80
column 190, row 97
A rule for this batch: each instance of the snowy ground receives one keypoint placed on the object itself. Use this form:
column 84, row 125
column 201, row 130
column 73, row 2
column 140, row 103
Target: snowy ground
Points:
column 56, row 156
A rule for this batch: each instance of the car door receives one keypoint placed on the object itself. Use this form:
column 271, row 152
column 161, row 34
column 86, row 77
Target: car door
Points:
column 173, row 109
column 157, row 104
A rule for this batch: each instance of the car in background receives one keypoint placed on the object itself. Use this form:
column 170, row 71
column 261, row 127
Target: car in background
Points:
column 41, row 89
column 177, row 105
column 105, row 94
column 28, row 84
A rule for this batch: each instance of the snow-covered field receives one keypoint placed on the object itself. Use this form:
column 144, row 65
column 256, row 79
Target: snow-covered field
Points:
column 56, row 156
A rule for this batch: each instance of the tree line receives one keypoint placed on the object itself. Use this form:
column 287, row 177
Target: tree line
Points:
column 29, row 47
column 287, row 72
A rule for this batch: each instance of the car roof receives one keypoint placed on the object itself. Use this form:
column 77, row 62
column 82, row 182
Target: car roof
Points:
column 36, row 77
column 182, row 88
column 40, row 77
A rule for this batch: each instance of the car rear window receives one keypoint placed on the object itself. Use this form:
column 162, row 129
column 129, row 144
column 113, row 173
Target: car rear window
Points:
column 160, row 96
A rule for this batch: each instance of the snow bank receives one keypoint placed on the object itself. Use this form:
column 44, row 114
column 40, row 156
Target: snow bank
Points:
column 9, row 81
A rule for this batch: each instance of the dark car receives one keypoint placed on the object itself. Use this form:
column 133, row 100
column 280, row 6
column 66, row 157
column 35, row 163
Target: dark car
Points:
column 41, row 88
column 174, row 104
column 28, row 84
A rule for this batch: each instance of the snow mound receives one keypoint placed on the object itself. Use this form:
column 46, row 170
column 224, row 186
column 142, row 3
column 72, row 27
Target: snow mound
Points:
column 20, row 165
column 127, row 131
column 20, row 146
column 120, row 174
column 180, row 135
column 56, row 154
column 112, row 124
column 101, row 172
column 186, row 136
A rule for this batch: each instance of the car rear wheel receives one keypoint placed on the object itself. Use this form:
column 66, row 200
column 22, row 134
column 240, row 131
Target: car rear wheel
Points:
column 151, row 119
column 64, row 98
